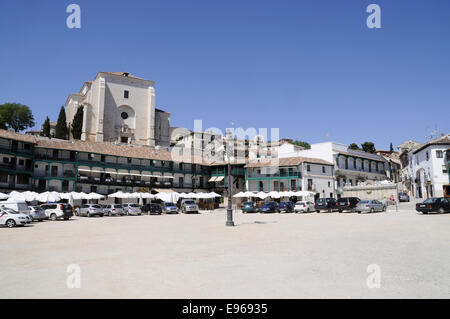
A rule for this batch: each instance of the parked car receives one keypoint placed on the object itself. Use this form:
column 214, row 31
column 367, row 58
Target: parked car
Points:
column 249, row 207
column 132, row 209
column 370, row 206
column 152, row 209
column 169, row 208
column 286, row 207
column 113, row 210
column 435, row 204
column 37, row 213
column 347, row 204
column 325, row 204
column 90, row 210
column 402, row 197
column 57, row 211
column 20, row 207
column 304, row 206
column 188, row 206
column 12, row 218
column 269, row 207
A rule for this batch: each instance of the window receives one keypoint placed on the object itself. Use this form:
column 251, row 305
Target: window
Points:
column 329, row 184
column 323, row 169
column 124, row 115
column 428, row 156
column 126, row 94
column 310, row 184
column 180, row 181
column 21, row 162
column 23, row 179
column 6, row 160
column 3, row 177
column 26, row 146
column 103, row 157
column 439, row 154
column 91, row 156
column 308, row 168
column 129, row 160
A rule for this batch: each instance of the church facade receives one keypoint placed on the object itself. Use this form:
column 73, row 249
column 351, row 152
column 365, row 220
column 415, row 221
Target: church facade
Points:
column 119, row 107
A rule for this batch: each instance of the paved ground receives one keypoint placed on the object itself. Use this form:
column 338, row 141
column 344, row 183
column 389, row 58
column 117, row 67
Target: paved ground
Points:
column 265, row 256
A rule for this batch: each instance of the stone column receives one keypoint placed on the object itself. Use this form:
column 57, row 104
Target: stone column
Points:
column 84, row 128
column 151, row 117
column 100, row 110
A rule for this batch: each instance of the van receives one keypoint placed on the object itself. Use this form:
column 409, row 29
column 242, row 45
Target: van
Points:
column 20, row 207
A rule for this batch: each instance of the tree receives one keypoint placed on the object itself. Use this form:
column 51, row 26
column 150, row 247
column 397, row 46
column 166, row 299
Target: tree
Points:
column 77, row 124
column 61, row 125
column 391, row 148
column 306, row 145
column 15, row 116
column 354, row 146
column 368, row 147
column 46, row 128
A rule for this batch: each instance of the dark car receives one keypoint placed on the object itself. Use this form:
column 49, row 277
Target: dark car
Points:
column 152, row 209
column 269, row 207
column 435, row 204
column 347, row 203
column 249, row 207
column 325, row 204
column 286, row 207
column 402, row 197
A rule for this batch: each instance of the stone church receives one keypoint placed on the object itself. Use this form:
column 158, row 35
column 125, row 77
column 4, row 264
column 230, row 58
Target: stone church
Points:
column 120, row 107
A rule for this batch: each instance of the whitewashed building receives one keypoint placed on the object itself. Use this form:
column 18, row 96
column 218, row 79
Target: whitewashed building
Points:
column 425, row 167
column 119, row 107
column 350, row 166
column 291, row 174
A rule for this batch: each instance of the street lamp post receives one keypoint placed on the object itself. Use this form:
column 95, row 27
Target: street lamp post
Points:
column 229, row 222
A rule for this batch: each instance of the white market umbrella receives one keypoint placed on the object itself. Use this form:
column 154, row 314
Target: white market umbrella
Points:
column 274, row 194
column 119, row 194
column 3, row 196
column 261, row 195
column 240, row 195
column 47, row 197
column 95, row 196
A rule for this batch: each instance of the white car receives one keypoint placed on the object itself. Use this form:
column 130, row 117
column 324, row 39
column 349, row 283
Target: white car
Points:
column 55, row 211
column 132, row 209
column 11, row 218
column 20, row 207
column 304, row 207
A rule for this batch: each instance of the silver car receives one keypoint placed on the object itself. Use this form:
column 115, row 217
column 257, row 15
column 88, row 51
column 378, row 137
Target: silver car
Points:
column 37, row 213
column 169, row 208
column 188, row 206
column 132, row 209
column 371, row 206
column 113, row 210
column 90, row 210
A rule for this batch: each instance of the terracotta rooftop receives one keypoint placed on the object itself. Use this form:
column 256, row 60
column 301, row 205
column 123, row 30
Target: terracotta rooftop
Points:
column 288, row 161
column 17, row 136
column 442, row 140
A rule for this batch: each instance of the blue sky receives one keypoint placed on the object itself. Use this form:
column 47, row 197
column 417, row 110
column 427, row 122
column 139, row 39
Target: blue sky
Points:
column 311, row 68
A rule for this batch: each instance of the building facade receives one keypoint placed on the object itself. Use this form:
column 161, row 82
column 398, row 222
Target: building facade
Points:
column 427, row 169
column 42, row 164
column 119, row 107
column 351, row 167
column 291, row 174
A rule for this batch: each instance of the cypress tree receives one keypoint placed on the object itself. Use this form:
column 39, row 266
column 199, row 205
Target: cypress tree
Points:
column 61, row 125
column 77, row 124
column 46, row 128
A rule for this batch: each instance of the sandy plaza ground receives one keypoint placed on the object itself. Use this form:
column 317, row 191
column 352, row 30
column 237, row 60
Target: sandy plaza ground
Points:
column 264, row 256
